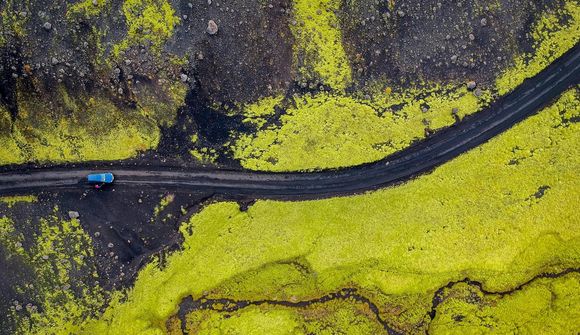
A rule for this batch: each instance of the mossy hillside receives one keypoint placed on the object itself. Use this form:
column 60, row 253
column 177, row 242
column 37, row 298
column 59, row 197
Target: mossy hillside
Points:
column 553, row 34
column 334, row 130
column 545, row 306
column 93, row 129
column 329, row 131
column 64, row 289
column 480, row 216
column 319, row 57
column 149, row 22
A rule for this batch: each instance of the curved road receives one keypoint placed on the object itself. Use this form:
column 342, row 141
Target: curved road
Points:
column 445, row 145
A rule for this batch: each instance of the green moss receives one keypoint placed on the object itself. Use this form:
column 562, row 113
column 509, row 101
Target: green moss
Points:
column 64, row 289
column 148, row 22
column 251, row 321
column 165, row 201
column 319, row 55
column 551, row 40
column 546, row 306
column 12, row 200
column 480, row 216
column 328, row 131
column 258, row 113
column 11, row 22
column 334, row 130
column 204, row 155
column 161, row 102
column 86, row 9
column 334, row 317
column 42, row 133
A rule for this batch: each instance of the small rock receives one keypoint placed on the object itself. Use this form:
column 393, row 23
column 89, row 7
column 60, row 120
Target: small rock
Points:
column 454, row 58
column 483, row 22
column 127, row 62
column 209, row 2
column 120, row 90
column 110, row 245
column 212, row 27
column 471, row 37
column 184, row 78
column 73, row 214
column 95, row 2
column 401, row 13
column 140, row 201
column 471, row 85
column 47, row 26
column 478, row 92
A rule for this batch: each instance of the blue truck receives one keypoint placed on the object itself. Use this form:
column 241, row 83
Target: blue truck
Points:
column 100, row 179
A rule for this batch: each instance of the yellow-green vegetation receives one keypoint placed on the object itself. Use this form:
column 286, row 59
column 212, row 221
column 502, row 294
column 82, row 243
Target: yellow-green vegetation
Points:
column 546, row 306
column 258, row 113
column 87, row 132
column 319, row 56
column 57, row 251
column 12, row 200
column 552, row 38
column 334, row 130
column 86, row 8
column 11, row 21
column 203, row 154
column 161, row 102
column 501, row 215
column 343, row 317
column 149, row 22
column 328, row 131
column 165, row 201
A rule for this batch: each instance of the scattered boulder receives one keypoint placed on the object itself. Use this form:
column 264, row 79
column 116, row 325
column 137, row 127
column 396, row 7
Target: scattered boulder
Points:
column 47, row 26
column 212, row 27
column 184, row 78
column 471, row 85
column 73, row 214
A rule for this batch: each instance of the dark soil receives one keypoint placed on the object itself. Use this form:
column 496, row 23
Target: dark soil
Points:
column 433, row 40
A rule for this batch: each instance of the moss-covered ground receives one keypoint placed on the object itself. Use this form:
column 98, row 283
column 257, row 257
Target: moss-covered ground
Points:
column 500, row 215
column 63, row 287
column 135, row 61
column 329, row 130
column 95, row 129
